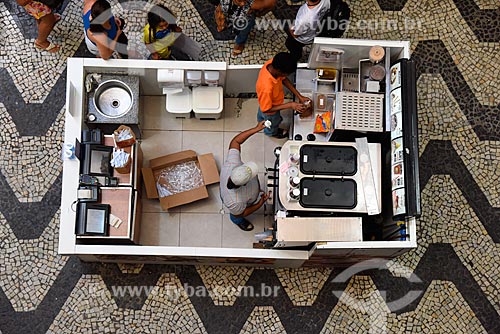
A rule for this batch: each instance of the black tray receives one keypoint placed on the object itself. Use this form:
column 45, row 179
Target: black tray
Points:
column 328, row 193
column 328, row 160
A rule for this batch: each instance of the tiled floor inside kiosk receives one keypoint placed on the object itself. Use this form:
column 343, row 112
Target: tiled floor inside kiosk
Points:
column 205, row 222
column 456, row 46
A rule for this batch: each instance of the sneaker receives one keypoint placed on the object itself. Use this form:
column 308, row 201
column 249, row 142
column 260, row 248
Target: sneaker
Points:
column 281, row 134
column 246, row 226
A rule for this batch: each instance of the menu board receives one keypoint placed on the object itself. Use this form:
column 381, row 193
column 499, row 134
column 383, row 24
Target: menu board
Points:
column 395, row 76
column 397, row 144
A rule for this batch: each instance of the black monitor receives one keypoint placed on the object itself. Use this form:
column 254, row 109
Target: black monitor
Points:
column 92, row 219
column 97, row 160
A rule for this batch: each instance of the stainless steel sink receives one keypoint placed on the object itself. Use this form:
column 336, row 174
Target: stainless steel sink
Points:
column 113, row 98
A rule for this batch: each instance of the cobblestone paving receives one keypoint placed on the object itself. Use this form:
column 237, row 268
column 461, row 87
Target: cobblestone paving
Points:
column 456, row 45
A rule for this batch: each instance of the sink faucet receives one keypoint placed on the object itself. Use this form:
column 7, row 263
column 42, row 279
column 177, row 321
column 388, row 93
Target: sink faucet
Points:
column 92, row 81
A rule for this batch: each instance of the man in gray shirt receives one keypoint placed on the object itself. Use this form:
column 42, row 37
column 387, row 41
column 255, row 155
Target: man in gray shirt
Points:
column 306, row 26
column 239, row 184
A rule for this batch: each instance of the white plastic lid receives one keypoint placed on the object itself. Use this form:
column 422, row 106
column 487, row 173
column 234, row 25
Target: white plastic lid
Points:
column 180, row 102
column 207, row 99
column 193, row 75
column 170, row 75
column 211, row 75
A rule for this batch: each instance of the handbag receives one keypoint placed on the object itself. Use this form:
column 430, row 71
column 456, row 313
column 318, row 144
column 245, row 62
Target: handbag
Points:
column 224, row 10
column 220, row 18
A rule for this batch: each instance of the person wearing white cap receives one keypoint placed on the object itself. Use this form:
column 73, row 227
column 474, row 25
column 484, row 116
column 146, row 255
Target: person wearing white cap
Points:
column 239, row 184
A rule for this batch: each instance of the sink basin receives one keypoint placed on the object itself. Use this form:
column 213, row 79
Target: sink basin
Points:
column 113, row 98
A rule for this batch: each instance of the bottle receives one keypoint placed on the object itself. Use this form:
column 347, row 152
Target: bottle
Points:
column 294, row 181
column 294, row 158
column 294, row 194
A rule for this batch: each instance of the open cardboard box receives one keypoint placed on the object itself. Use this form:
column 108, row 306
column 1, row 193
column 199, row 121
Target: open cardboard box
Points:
column 205, row 162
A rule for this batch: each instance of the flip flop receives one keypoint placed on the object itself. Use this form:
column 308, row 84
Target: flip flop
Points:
column 51, row 48
column 237, row 51
column 281, row 134
column 246, row 226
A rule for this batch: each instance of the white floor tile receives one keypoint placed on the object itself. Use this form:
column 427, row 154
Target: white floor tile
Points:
column 268, row 221
column 201, row 229
column 251, row 150
column 240, row 117
column 205, row 142
column 160, row 229
column 212, row 204
column 194, row 124
column 234, row 237
column 158, row 143
column 155, row 115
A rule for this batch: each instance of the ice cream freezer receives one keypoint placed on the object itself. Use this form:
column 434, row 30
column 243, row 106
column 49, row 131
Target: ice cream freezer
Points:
column 362, row 168
column 344, row 187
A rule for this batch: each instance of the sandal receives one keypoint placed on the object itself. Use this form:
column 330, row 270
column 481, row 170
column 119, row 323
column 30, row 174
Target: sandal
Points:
column 246, row 226
column 281, row 134
column 51, row 48
column 238, row 49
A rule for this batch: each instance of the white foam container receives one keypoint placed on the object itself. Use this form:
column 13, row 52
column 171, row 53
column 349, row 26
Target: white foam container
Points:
column 208, row 102
column 180, row 104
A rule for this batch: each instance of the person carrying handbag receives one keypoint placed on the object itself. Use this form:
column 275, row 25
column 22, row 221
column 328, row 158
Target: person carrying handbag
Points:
column 46, row 19
column 240, row 15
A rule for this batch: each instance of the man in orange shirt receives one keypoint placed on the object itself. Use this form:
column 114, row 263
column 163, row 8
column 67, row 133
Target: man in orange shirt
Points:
column 269, row 86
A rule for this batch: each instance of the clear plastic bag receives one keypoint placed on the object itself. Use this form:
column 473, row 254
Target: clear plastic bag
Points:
column 179, row 178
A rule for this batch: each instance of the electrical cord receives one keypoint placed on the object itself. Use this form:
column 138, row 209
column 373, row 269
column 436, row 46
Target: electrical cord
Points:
column 72, row 204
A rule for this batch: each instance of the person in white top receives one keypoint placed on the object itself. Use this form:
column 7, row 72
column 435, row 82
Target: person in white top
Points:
column 239, row 185
column 306, row 26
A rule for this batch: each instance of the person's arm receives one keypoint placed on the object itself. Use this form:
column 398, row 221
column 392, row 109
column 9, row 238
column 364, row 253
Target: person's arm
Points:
column 252, row 208
column 154, row 54
column 175, row 28
column 243, row 136
column 288, row 105
column 288, row 84
column 101, row 40
column 292, row 32
column 262, row 6
column 23, row 2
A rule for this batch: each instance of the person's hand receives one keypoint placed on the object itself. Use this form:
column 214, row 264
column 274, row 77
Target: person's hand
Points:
column 178, row 29
column 303, row 99
column 155, row 56
column 261, row 125
column 23, row 2
column 299, row 107
column 264, row 197
column 118, row 22
column 118, row 31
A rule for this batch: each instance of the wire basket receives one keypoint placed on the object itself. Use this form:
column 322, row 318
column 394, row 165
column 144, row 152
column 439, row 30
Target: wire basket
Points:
column 360, row 112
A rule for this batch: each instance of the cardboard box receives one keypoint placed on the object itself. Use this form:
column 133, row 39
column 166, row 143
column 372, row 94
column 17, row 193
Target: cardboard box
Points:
column 205, row 162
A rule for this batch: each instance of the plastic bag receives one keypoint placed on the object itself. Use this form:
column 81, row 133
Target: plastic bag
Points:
column 323, row 122
column 179, row 178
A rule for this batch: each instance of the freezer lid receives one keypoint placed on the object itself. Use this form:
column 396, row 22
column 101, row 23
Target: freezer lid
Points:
column 328, row 193
column 328, row 160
